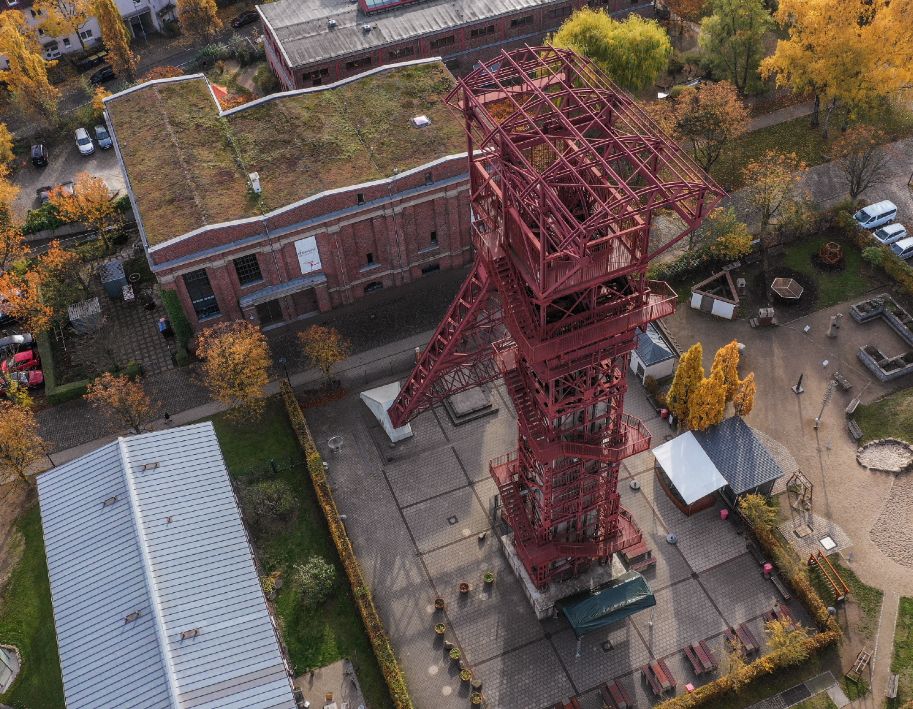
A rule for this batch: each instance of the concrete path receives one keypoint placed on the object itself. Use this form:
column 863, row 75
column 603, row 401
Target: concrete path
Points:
column 781, row 115
column 883, row 652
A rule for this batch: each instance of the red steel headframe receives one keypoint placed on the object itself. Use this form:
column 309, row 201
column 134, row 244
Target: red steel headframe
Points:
column 566, row 173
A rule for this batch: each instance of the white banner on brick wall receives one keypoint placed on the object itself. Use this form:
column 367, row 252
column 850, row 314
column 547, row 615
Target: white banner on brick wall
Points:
column 308, row 257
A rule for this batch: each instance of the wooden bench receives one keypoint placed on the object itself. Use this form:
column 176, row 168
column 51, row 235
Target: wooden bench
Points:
column 732, row 638
column 638, row 557
column 755, row 552
column 891, row 689
column 705, row 655
column 695, row 661
column 781, row 589
column 615, row 696
column 854, row 429
column 659, row 677
column 842, row 382
column 744, row 634
column 646, row 673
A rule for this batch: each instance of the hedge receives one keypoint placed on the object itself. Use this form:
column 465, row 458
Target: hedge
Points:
column 179, row 323
column 380, row 642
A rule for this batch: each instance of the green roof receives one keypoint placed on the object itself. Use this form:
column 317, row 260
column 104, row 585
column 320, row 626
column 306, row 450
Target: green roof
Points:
column 188, row 167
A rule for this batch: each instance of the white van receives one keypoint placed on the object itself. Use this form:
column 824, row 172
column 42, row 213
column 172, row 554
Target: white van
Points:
column 903, row 248
column 889, row 233
column 875, row 215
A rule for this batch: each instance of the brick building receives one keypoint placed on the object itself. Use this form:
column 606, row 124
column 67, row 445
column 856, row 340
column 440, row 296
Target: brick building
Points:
column 314, row 42
column 298, row 202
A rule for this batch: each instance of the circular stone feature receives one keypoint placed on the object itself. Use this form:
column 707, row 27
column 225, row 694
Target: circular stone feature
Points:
column 888, row 455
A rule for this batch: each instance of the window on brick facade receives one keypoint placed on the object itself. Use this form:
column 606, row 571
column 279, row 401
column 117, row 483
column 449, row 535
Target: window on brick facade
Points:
column 557, row 13
column 202, row 297
column 360, row 198
column 429, row 178
column 402, row 52
column 269, row 312
column 373, row 286
column 481, row 31
column 430, row 268
column 443, row 41
column 248, row 269
column 369, row 258
column 434, row 238
column 358, row 63
column 66, row 42
column 521, row 21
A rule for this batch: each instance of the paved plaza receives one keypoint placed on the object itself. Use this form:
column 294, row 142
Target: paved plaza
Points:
column 417, row 512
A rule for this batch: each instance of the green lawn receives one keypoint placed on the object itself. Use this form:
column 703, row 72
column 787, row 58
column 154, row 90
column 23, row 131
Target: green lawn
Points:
column 902, row 663
column 833, row 286
column 868, row 598
column 333, row 631
column 889, row 417
column 27, row 621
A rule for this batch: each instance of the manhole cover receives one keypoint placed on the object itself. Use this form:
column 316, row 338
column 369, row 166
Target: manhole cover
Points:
column 452, row 519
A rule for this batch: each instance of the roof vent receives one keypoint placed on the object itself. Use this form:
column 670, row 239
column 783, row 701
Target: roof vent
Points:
column 421, row 121
column 190, row 634
column 366, row 28
column 110, row 501
column 149, row 466
column 331, row 23
column 254, row 181
column 131, row 617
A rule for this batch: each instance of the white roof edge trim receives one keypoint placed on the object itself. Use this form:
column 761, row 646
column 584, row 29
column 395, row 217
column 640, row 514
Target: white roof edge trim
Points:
column 160, row 632
column 301, row 202
column 146, row 84
column 276, row 42
column 335, row 84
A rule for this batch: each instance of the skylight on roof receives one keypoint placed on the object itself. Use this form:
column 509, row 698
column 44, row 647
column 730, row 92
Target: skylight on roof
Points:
column 381, row 5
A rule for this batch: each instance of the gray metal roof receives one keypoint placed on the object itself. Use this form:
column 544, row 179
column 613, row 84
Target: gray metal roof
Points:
column 739, row 455
column 302, row 26
column 166, row 542
column 652, row 347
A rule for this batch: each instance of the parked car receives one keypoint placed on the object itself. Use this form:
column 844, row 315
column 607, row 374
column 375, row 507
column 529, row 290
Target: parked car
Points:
column 84, row 142
column 91, row 61
column 903, row 248
column 21, row 362
column 44, row 193
column 876, row 215
column 890, row 233
column 30, row 379
column 103, row 138
column 245, row 18
column 39, row 155
column 106, row 73
column 17, row 342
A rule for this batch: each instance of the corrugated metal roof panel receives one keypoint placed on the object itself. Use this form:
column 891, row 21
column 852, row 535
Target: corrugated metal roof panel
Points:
column 168, row 542
column 302, row 26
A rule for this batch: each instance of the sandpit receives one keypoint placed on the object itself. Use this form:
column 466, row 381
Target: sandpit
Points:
column 888, row 455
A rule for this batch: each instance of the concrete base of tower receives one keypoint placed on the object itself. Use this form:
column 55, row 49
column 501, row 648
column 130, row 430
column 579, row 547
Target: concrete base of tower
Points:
column 543, row 602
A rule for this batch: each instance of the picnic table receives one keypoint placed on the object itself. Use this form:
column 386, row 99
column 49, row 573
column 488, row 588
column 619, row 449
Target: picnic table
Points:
column 615, row 696
column 659, row 677
column 780, row 613
column 744, row 634
column 700, row 657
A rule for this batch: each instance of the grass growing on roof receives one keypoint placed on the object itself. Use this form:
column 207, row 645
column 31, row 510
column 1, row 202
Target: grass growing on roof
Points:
column 27, row 621
column 334, row 630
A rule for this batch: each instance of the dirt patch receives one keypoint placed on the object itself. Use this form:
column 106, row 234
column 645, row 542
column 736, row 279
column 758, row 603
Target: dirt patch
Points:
column 891, row 532
column 13, row 499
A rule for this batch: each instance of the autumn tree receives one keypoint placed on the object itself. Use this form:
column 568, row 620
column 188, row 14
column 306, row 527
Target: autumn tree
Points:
column 861, row 160
column 743, row 401
column 64, row 17
column 12, row 245
column 686, row 9
column 98, row 100
column 850, row 53
column 122, row 400
column 161, row 72
column 786, row 641
column 199, row 18
column 726, row 366
column 89, row 203
column 733, row 39
column 707, row 405
column 688, row 376
column 633, row 52
column 236, row 363
column 114, row 33
column 725, row 234
column 323, row 347
column 735, row 676
column 26, row 76
column 6, row 150
column 8, row 194
column 769, row 186
column 20, row 444
column 757, row 512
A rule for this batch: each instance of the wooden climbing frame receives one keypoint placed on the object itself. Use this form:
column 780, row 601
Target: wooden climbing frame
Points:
column 862, row 661
column 830, row 574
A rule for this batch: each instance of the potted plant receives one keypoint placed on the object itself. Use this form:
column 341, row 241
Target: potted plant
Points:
column 447, row 645
column 488, row 577
column 439, row 604
column 465, row 675
column 464, row 587
column 454, row 653
column 476, row 698
column 440, row 629
column 477, row 685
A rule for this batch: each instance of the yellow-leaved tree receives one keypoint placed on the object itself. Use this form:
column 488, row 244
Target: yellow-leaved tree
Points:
column 199, row 18
column 760, row 515
column 633, row 52
column 688, row 376
column 786, row 641
column 725, row 234
column 89, row 203
column 12, row 244
column 122, row 400
column 26, row 76
column 236, row 364
column 707, row 405
column 114, row 33
column 726, row 364
column 323, row 347
column 64, row 17
column 20, row 444
column 6, row 150
column 744, row 396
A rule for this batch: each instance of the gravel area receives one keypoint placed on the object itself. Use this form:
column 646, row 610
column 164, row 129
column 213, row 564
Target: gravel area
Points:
column 889, row 455
column 891, row 531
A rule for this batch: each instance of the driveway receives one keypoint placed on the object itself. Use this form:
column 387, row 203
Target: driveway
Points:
column 64, row 164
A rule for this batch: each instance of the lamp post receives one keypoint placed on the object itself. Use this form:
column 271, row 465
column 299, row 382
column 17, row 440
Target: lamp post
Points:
column 283, row 361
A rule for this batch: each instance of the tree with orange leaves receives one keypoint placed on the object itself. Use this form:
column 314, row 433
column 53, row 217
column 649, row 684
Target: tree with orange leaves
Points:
column 323, row 347
column 122, row 400
column 12, row 245
column 90, row 203
column 161, row 72
column 20, row 444
column 236, row 362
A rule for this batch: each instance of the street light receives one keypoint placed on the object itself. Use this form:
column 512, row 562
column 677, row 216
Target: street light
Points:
column 283, row 361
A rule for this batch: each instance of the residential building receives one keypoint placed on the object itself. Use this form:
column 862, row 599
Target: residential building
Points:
column 298, row 202
column 314, row 42
column 156, row 596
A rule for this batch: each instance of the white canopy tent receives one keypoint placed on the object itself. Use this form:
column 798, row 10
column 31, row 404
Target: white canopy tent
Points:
column 689, row 468
column 378, row 400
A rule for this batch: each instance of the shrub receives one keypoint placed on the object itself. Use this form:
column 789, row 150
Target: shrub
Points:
column 651, row 385
column 268, row 501
column 179, row 323
column 873, row 255
column 265, row 80
column 316, row 579
column 45, row 217
column 680, row 268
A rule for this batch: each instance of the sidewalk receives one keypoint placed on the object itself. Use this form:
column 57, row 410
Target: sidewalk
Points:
column 781, row 115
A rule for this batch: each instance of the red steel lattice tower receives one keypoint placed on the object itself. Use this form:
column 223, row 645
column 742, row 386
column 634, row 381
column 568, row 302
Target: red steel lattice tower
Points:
column 566, row 174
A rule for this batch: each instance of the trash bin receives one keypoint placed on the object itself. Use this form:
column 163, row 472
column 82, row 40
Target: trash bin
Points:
column 724, row 514
column 113, row 279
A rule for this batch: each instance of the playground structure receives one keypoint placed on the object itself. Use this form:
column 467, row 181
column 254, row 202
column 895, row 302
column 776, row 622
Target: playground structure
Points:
column 830, row 575
column 566, row 174
column 831, row 255
column 799, row 491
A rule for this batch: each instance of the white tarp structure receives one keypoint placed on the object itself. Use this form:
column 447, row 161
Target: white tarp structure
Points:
column 689, row 468
column 378, row 400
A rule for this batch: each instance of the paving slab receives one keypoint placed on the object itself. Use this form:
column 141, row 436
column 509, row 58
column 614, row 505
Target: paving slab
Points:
column 604, row 654
column 419, row 478
column 530, row 676
column 739, row 589
column 446, row 519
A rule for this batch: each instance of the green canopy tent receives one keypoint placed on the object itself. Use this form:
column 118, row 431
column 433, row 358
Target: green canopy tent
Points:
column 590, row 610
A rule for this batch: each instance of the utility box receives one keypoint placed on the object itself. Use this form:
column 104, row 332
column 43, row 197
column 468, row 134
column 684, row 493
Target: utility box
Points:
column 113, row 279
